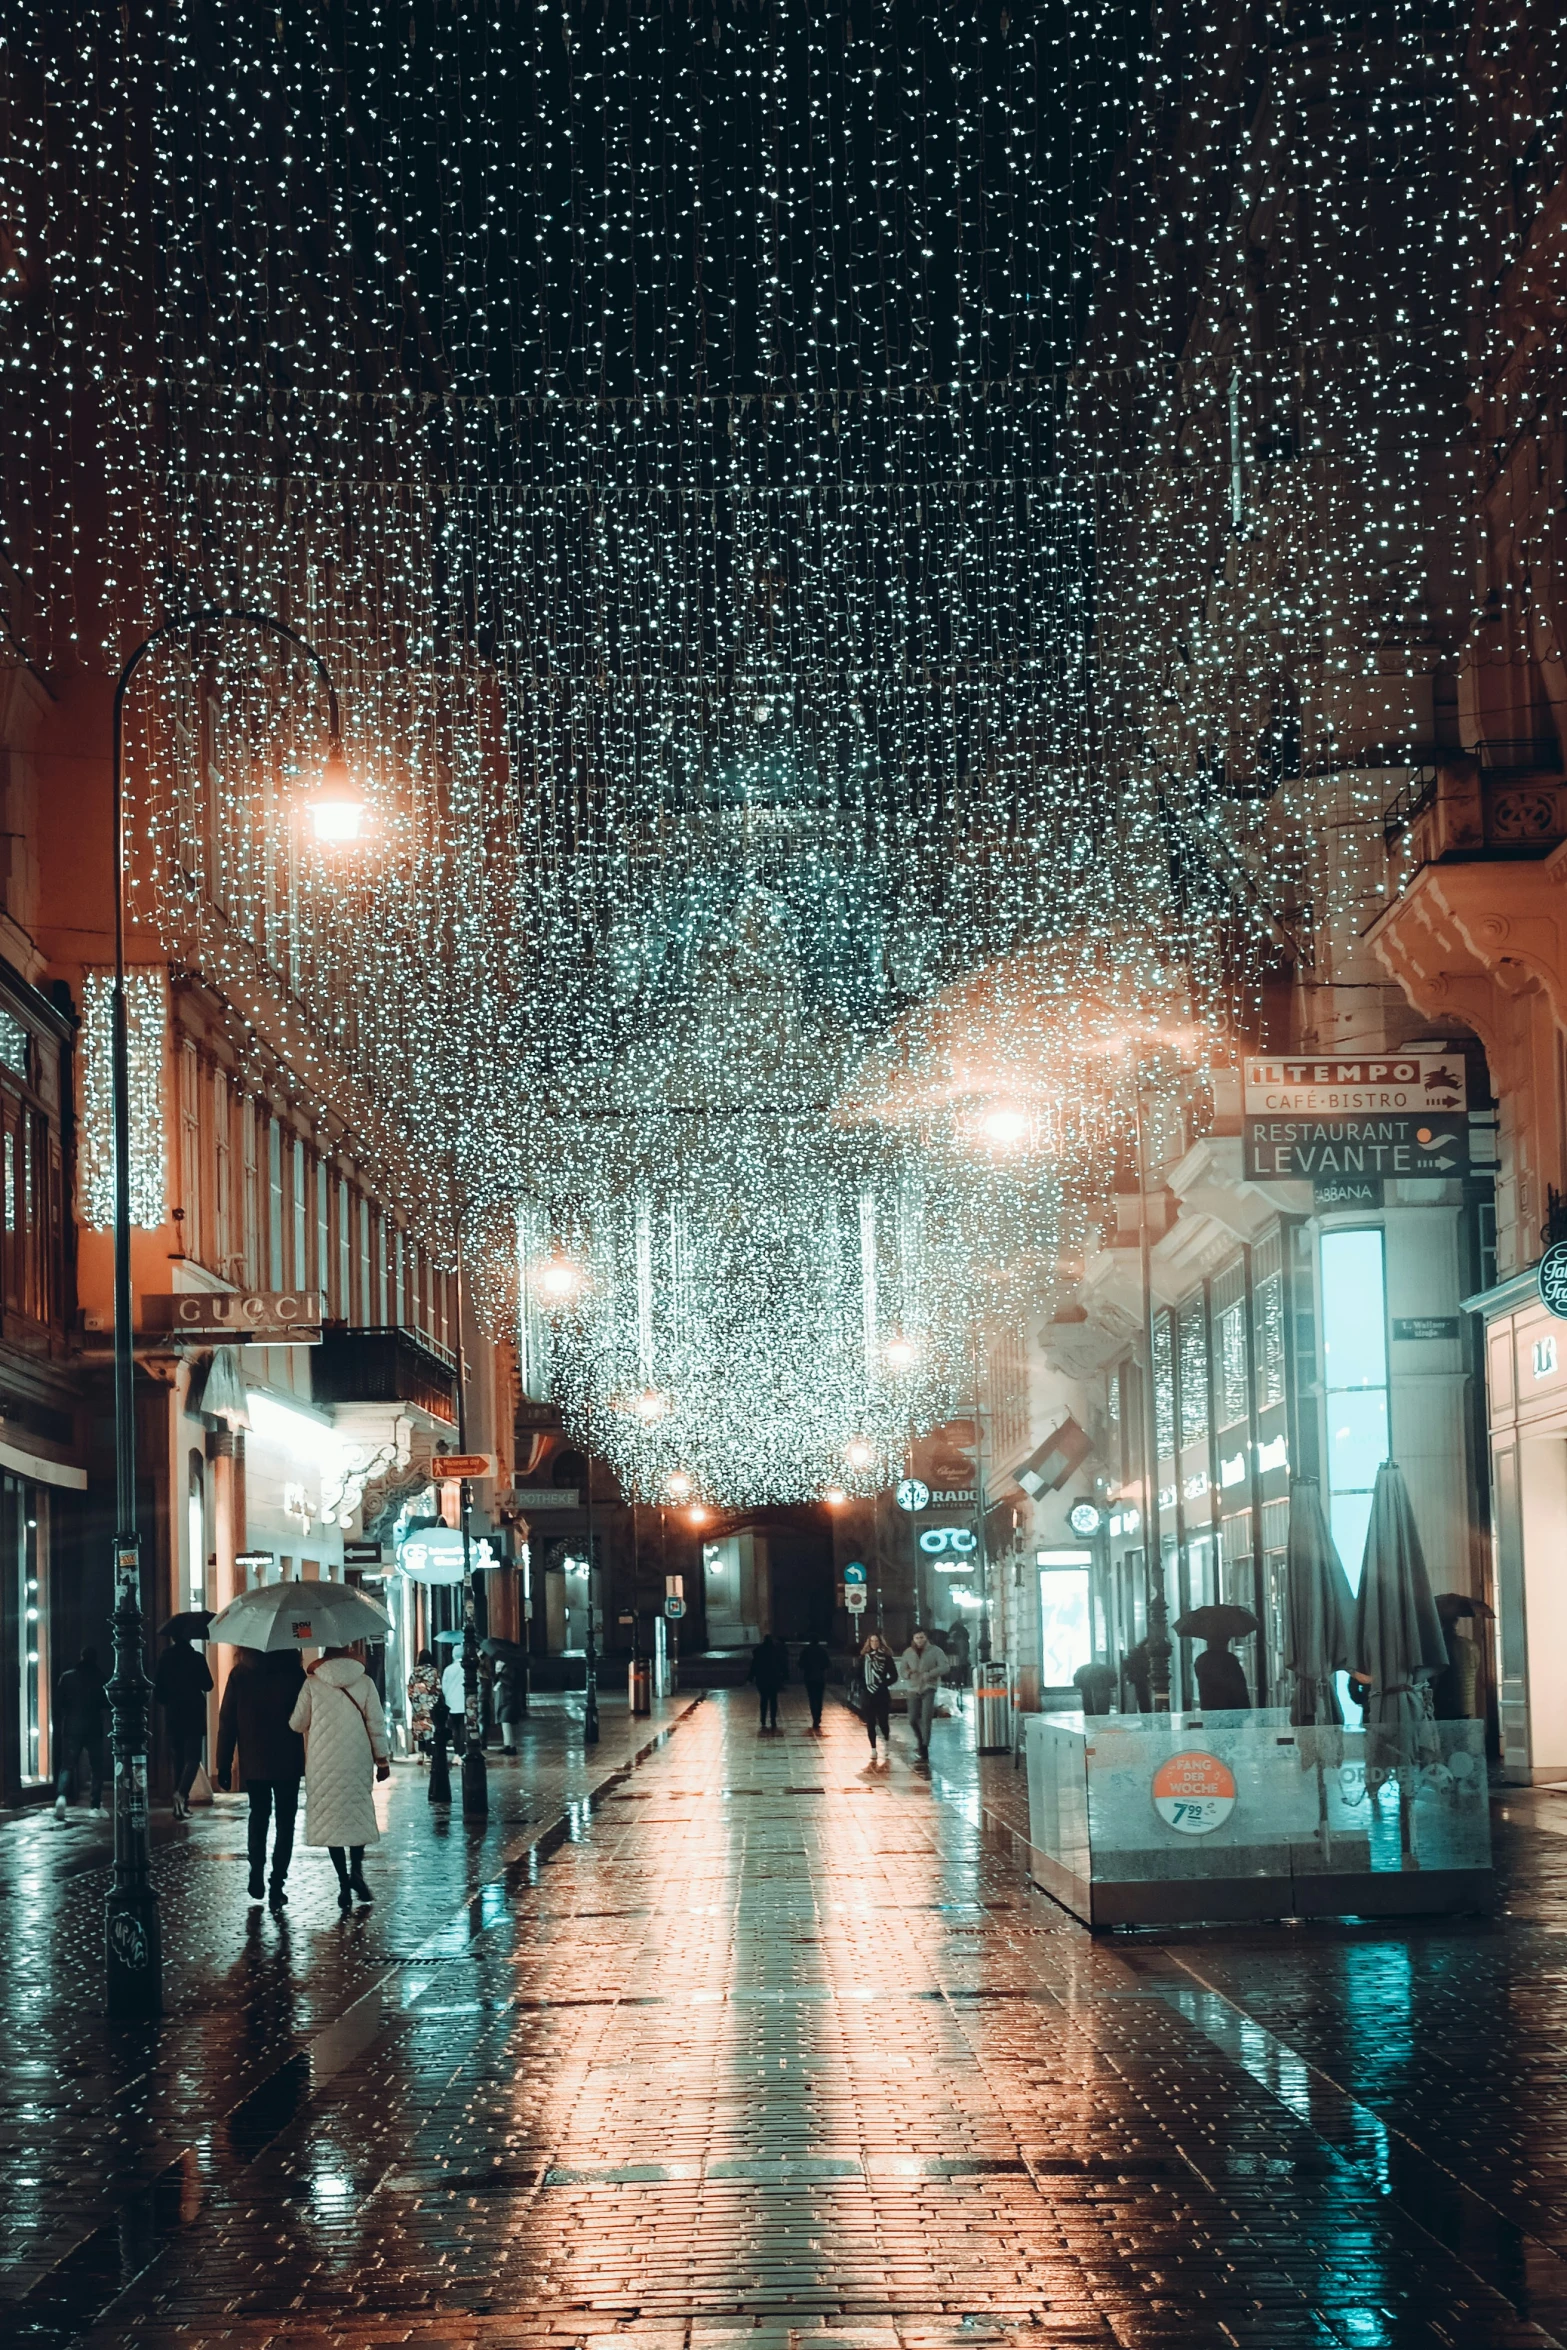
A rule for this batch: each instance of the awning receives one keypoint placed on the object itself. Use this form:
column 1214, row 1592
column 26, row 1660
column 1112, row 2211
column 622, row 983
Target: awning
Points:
column 41, row 1470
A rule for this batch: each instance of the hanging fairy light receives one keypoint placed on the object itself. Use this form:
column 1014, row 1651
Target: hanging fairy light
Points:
column 813, row 762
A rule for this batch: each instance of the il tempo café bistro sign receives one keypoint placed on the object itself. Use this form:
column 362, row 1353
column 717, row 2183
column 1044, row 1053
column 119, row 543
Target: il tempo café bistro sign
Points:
column 1336, row 1122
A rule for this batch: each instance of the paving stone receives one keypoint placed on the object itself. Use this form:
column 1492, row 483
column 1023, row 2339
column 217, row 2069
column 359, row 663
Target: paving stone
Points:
column 750, row 2051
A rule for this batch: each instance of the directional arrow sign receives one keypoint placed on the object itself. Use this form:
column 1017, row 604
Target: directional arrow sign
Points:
column 855, row 1573
column 1314, row 1150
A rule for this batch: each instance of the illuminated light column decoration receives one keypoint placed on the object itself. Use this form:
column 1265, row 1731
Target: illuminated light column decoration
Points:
column 475, row 1770
column 132, row 1928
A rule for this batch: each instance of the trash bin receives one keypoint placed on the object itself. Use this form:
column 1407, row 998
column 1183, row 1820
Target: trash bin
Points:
column 992, row 1708
column 641, row 1685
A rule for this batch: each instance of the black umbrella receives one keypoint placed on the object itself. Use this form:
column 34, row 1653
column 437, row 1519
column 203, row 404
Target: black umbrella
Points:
column 190, row 1624
column 1397, row 1642
column 1318, row 1609
column 493, row 1644
column 1219, row 1620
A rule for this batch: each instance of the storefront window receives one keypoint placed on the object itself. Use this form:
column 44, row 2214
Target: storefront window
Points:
column 1194, row 1371
column 1355, row 1389
column 1065, row 1628
column 24, row 1553
column 1164, row 1386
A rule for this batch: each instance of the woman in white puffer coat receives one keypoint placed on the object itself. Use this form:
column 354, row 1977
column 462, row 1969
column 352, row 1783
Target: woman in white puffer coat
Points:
column 339, row 1716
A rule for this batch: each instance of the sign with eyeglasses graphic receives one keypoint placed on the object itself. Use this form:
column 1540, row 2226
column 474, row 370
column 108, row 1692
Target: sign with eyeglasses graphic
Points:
column 949, row 1549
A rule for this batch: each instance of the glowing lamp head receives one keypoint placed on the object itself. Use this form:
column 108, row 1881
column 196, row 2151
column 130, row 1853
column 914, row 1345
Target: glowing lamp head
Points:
column 835, row 1497
column 698, row 1515
column 858, row 1453
column 1005, row 1125
column 336, row 807
column 650, row 1406
column 677, row 1485
column 901, row 1353
column 559, row 1281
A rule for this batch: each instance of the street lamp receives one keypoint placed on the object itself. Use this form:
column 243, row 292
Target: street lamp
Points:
column 858, row 1453
column 133, row 1936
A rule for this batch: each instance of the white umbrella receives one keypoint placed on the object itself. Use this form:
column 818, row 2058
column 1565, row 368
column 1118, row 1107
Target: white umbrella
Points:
column 300, row 1615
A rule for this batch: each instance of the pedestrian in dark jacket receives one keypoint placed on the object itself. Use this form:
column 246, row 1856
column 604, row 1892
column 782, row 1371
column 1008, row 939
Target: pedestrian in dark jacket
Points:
column 769, row 1670
column 814, row 1662
column 874, row 1673
column 258, row 1698
column 80, row 1703
column 180, row 1686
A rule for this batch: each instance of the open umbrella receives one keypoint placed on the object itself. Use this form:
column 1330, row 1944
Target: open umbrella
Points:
column 1219, row 1620
column 1221, row 1681
column 300, row 1615
column 1397, row 1641
column 1318, row 1609
column 190, row 1624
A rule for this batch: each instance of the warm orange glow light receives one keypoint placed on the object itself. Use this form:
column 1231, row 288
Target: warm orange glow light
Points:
column 336, row 807
column 677, row 1485
column 858, row 1453
column 1006, row 1124
column 835, row 1497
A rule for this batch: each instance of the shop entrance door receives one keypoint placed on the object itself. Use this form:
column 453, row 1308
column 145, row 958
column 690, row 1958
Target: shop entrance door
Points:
column 1066, row 1638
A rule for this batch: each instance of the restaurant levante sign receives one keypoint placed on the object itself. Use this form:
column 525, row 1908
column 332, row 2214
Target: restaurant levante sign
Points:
column 1330, row 1120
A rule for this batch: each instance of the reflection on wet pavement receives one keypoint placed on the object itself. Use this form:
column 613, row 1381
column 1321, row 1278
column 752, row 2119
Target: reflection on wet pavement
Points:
column 754, row 2048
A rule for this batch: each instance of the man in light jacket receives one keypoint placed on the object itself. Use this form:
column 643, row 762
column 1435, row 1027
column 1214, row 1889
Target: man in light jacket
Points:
column 920, row 1669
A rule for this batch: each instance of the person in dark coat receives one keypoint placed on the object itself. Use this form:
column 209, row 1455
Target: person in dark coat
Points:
column 769, row 1670
column 180, row 1686
column 258, row 1698
column 814, row 1662
column 1221, row 1679
column 80, row 1703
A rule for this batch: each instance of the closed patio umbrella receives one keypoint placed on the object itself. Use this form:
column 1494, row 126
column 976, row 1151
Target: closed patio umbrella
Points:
column 1318, row 1609
column 1398, row 1642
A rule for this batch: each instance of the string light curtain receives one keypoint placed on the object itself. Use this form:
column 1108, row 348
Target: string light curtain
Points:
column 807, row 510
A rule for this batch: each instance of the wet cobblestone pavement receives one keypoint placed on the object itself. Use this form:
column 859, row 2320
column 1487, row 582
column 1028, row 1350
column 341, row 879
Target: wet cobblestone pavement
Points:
column 758, row 2049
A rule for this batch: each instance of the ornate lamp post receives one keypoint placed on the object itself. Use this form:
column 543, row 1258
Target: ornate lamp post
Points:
column 133, row 1936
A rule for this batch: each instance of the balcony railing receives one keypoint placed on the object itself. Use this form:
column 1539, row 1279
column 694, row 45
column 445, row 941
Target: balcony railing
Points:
column 1462, row 810
column 391, row 1366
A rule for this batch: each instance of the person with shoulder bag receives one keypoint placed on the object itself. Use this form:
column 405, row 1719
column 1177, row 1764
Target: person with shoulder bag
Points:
column 338, row 1714
column 874, row 1673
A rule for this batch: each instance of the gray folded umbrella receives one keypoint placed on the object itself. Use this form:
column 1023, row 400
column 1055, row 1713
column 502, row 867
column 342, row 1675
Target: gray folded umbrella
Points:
column 1397, row 1642
column 1318, row 1608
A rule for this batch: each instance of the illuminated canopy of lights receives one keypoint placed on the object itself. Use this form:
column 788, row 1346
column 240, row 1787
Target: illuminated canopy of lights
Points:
column 853, row 581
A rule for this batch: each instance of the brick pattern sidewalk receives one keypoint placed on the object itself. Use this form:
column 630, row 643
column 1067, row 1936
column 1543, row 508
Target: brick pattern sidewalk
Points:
column 90, row 2112
column 768, row 2050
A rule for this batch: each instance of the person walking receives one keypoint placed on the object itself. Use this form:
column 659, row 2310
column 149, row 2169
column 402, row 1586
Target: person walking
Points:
column 80, row 1703
column 874, row 1672
column 769, row 1670
column 424, row 1687
column 454, row 1688
column 181, row 1685
column 920, row 1669
column 510, row 1696
column 253, row 1724
column 814, row 1662
column 338, row 1714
